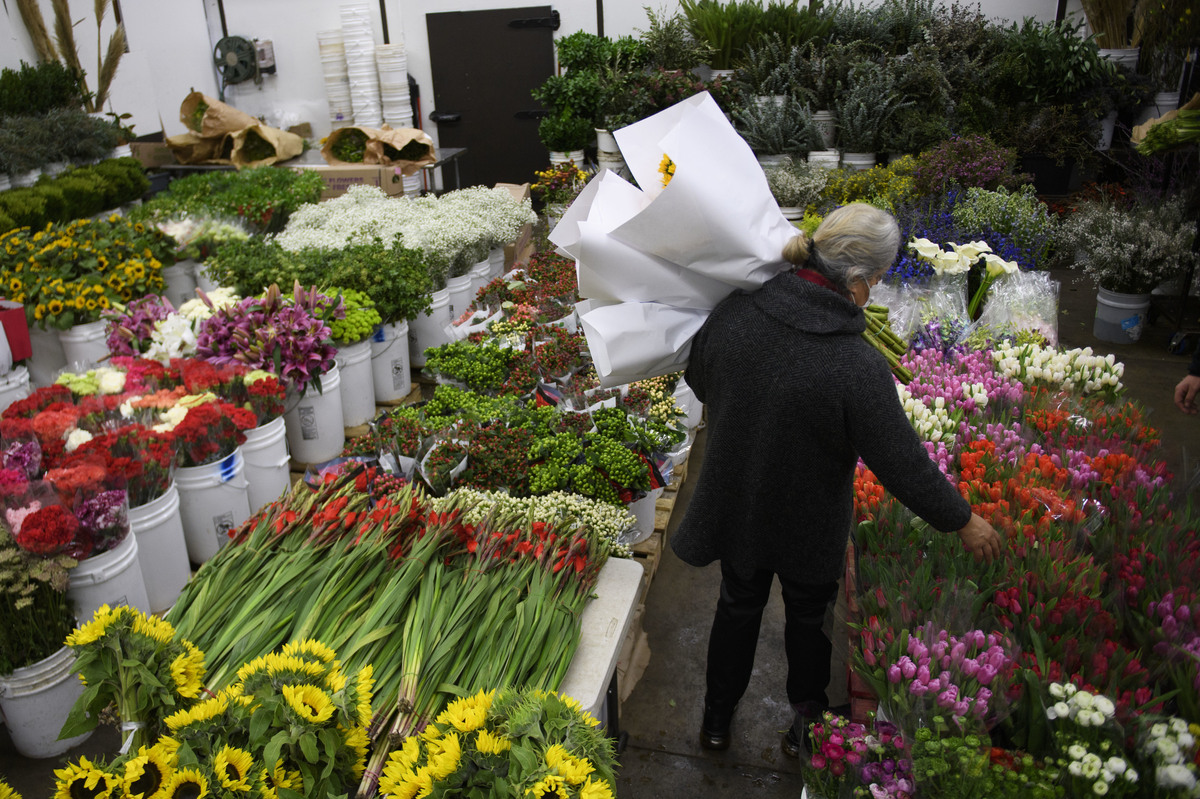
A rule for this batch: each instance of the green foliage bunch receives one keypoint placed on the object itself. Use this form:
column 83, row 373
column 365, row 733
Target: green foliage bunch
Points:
column 262, row 197
column 867, row 105
column 772, row 128
column 37, row 614
column 34, row 90
column 30, row 142
column 670, row 44
column 360, row 318
column 1019, row 215
column 482, row 367
column 893, row 25
column 74, row 194
column 726, row 27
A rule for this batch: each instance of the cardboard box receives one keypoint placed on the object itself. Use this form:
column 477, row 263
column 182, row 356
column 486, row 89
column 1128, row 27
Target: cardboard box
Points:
column 152, row 154
column 340, row 178
column 519, row 252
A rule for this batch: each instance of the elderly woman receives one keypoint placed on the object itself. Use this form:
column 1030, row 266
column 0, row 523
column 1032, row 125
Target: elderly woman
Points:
column 795, row 397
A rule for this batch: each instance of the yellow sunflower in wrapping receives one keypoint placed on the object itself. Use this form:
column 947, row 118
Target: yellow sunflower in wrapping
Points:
column 7, row 791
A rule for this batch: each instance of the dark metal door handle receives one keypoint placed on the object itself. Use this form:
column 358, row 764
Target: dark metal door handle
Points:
column 445, row 117
column 552, row 22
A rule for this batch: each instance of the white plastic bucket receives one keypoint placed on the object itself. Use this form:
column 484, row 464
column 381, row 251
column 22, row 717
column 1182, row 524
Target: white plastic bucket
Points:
column 481, row 275
column 204, row 280
column 36, row 700
column 606, row 142
column 267, row 463
column 461, row 295
column 111, row 578
column 357, row 382
column 859, row 162
column 562, row 158
column 84, row 344
column 1120, row 318
column 826, row 123
column 315, row 433
column 614, row 162
column 162, row 548
column 390, row 371
column 496, row 260
column 212, row 503
column 14, row 386
column 181, row 282
column 824, row 158
column 429, row 329
column 47, row 356
column 1163, row 102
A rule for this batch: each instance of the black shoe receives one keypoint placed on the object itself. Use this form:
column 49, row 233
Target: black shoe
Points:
column 791, row 744
column 714, row 730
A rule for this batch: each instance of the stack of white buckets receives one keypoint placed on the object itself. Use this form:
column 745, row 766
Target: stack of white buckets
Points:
column 359, row 45
column 337, row 79
column 393, row 85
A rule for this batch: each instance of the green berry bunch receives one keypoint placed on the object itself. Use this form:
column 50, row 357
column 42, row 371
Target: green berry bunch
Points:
column 483, row 367
column 361, row 317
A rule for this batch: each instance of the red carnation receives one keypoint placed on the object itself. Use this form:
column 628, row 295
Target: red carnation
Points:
column 48, row 531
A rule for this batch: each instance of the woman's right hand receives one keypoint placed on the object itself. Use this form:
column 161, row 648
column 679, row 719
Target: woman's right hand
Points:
column 981, row 539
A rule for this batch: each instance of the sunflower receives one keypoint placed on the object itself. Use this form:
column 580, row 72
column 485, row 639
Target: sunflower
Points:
column 549, row 785
column 147, row 775
column 90, row 304
column 279, row 664
column 366, row 684
column 152, row 626
column 491, row 744
column 335, row 680
column 233, row 768
column 401, row 783
column 7, row 792
column 55, row 307
column 269, row 782
column 464, row 715
column 598, row 789
column 356, row 739
column 310, row 647
column 83, row 780
column 187, row 670
column 573, row 770
column 197, row 713
column 15, row 285
column 309, row 702
column 98, row 627
column 39, row 311
column 407, row 756
column 444, row 757
column 188, row 783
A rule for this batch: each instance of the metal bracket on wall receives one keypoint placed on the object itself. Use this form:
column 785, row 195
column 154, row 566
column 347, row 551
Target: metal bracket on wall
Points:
column 553, row 22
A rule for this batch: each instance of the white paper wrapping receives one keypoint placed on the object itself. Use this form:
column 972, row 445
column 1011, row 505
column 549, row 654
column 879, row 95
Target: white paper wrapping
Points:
column 656, row 260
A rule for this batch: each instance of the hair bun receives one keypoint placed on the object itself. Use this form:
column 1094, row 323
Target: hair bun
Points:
column 798, row 248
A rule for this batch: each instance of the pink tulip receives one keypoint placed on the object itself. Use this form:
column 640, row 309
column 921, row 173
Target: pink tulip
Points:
column 893, row 674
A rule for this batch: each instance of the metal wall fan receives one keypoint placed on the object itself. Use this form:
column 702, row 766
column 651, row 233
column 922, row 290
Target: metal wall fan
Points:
column 236, row 59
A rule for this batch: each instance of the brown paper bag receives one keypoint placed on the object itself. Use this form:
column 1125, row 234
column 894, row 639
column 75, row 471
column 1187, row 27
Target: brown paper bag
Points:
column 383, row 146
column 189, row 148
column 259, row 145
column 208, row 117
column 1139, row 131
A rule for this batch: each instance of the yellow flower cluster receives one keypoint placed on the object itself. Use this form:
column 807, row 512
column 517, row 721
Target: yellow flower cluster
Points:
column 666, row 168
column 70, row 274
column 887, row 187
column 470, row 737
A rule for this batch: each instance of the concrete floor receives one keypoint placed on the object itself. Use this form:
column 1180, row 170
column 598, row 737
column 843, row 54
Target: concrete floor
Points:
column 662, row 714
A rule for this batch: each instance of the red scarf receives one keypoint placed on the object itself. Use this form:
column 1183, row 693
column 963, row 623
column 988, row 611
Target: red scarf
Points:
column 816, row 277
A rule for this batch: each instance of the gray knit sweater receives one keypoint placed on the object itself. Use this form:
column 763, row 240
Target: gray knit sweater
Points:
column 795, row 396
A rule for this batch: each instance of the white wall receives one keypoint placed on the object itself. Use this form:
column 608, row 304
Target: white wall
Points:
column 171, row 44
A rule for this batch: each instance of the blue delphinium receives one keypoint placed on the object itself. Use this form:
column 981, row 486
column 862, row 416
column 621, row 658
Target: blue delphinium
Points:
column 930, row 218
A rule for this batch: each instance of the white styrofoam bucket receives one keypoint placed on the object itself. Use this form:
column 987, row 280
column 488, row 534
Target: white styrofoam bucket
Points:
column 496, row 259
column 181, row 282
column 481, row 275
column 162, row 548
column 267, row 469
column 564, row 157
column 827, row 159
column 859, row 162
column 357, row 382
column 315, row 433
column 14, row 386
column 429, row 329
column 47, row 357
column 390, row 371
column 85, row 344
column 36, row 700
column 111, row 578
column 212, row 503
column 826, row 123
column 461, row 295
column 204, row 281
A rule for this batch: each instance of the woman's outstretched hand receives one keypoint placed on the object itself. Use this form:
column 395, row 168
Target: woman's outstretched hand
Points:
column 981, row 539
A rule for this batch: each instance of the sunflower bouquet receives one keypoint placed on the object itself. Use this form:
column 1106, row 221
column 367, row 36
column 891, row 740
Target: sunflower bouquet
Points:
column 134, row 662
column 294, row 724
column 68, row 274
column 512, row 743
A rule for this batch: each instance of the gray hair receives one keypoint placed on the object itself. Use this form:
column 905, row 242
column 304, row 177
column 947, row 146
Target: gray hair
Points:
column 855, row 242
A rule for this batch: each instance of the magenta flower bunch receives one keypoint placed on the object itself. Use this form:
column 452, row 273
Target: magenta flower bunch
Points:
column 967, row 380
column 838, row 747
column 270, row 332
column 886, row 772
column 130, row 327
column 963, row 677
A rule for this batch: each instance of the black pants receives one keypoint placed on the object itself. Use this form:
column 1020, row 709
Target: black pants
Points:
column 734, row 638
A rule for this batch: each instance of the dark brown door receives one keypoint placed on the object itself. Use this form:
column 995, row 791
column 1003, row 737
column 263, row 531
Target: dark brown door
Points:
column 484, row 67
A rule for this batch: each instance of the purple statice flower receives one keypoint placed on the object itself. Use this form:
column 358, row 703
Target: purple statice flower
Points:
column 129, row 330
column 105, row 517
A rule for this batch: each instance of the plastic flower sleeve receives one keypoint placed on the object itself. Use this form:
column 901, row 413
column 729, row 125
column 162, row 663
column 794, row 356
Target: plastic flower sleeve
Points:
column 1024, row 301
